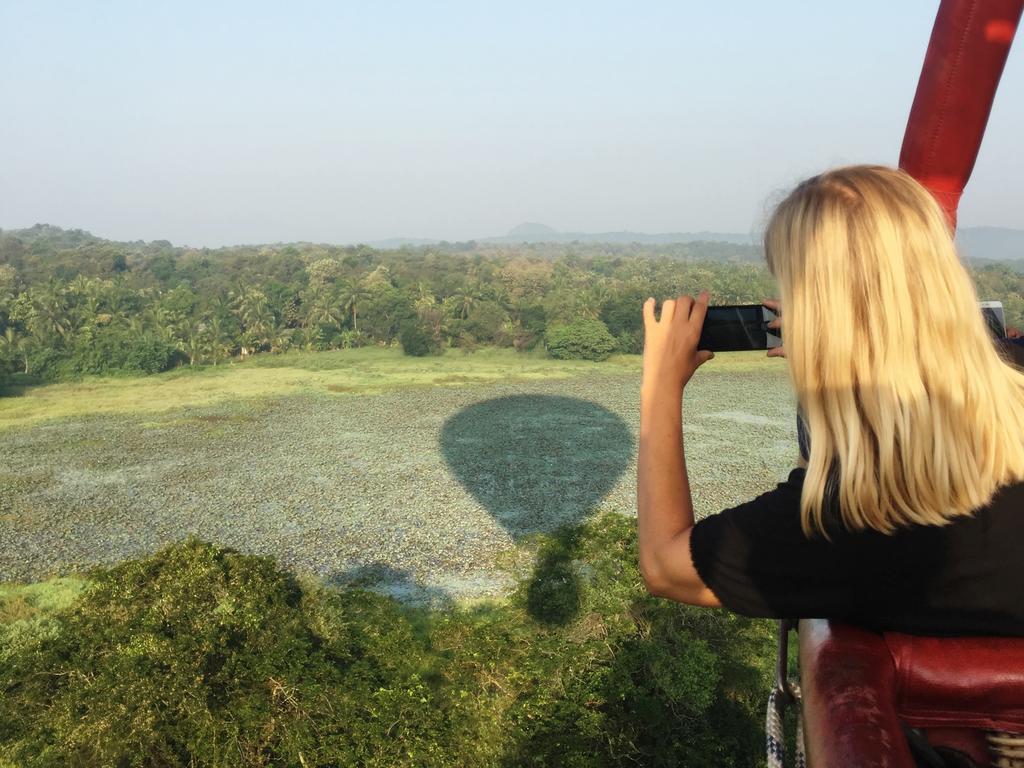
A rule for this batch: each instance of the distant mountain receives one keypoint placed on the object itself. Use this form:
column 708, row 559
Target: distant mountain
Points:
column 991, row 243
column 977, row 244
column 532, row 229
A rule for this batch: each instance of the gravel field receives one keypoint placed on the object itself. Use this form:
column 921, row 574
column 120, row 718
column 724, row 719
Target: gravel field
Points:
column 424, row 493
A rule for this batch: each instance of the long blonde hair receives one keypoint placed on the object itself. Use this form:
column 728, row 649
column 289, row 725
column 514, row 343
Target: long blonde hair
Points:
column 914, row 417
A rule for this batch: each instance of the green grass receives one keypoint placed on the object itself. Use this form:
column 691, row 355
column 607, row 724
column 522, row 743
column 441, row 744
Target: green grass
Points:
column 25, row 602
column 352, row 371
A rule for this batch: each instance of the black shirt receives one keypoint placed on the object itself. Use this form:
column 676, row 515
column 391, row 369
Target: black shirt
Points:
column 964, row 578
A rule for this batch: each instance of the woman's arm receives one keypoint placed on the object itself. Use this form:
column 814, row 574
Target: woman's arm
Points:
column 664, row 505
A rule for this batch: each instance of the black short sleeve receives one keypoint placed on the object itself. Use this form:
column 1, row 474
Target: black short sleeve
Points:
column 959, row 578
column 758, row 561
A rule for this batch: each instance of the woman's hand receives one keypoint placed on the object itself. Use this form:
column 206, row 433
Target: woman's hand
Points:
column 670, row 343
column 775, row 306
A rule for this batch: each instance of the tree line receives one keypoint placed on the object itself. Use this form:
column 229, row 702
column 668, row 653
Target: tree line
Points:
column 73, row 304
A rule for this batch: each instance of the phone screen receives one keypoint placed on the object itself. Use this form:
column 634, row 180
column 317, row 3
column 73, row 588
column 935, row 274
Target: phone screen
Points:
column 739, row 327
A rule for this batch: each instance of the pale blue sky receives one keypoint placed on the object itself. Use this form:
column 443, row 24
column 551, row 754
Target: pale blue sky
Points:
column 213, row 123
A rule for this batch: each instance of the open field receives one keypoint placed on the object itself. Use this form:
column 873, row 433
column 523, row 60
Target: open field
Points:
column 423, row 478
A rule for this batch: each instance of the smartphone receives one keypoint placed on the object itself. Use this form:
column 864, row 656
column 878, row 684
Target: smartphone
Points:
column 994, row 318
column 736, row 327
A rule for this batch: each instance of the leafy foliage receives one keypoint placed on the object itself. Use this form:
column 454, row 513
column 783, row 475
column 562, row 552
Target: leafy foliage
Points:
column 586, row 339
column 70, row 301
column 72, row 304
column 416, row 340
column 201, row 655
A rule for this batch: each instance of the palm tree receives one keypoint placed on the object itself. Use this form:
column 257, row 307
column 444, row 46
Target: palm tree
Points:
column 428, row 310
column 15, row 343
column 218, row 343
column 324, row 309
column 192, row 339
column 464, row 303
column 593, row 300
column 354, row 294
column 50, row 319
column 252, row 309
column 163, row 321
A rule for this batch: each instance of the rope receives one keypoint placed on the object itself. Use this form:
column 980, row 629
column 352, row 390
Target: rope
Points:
column 776, row 732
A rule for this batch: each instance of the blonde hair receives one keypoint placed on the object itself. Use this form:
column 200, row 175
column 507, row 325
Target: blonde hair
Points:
column 914, row 417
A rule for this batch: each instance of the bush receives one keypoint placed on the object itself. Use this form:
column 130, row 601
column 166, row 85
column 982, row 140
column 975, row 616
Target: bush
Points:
column 349, row 339
column 580, row 340
column 416, row 340
column 631, row 342
column 199, row 655
column 149, row 355
column 51, row 365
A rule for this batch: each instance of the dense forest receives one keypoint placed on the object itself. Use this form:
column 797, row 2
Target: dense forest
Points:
column 73, row 304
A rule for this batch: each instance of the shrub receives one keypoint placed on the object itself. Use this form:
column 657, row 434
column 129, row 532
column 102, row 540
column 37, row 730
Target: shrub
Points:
column 349, row 339
column 580, row 340
column 417, row 340
column 631, row 342
column 199, row 655
column 149, row 355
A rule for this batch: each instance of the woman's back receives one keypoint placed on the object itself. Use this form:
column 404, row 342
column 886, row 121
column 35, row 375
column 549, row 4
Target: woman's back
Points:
column 963, row 578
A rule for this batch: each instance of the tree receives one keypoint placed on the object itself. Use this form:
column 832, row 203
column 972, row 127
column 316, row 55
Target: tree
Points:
column 353, row 296
column 14, row 344
column 252, row 309
column 192, row 339
column 217, row 340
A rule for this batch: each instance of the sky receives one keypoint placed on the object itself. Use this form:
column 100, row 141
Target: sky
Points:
column 213, row 123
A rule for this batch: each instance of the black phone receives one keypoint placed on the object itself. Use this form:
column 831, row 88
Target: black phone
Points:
column 736, row 327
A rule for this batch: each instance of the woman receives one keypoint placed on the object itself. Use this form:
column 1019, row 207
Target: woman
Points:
column 910, row 512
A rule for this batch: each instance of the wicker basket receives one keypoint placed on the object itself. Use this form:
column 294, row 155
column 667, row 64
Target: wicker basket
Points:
column 1007, row 749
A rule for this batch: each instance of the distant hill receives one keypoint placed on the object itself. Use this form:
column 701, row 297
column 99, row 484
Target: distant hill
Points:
column 533, row 232
column 978, row 245
column 541, row 233
column 55, row 236
column 530, row 229
column 991, row 243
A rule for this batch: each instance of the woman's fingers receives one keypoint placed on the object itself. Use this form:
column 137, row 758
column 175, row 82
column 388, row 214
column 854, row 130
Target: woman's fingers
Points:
column 682, row 311
column 683, row 307
column 668, row 309
column 649, row 311
column 774, row 305
column 700, row 308
column 777, row 352
column 776, row 323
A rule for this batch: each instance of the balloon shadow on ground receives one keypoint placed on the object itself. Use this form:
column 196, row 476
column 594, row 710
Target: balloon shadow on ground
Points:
column 540, row 463
column 537, row 462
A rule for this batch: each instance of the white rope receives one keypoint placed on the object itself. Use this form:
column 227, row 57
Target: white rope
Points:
column 776, row 733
